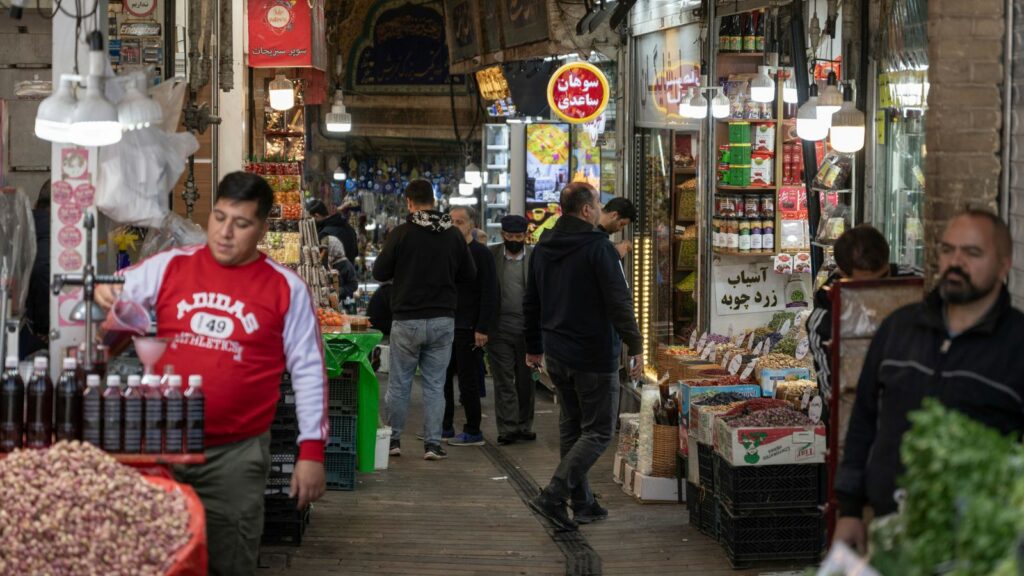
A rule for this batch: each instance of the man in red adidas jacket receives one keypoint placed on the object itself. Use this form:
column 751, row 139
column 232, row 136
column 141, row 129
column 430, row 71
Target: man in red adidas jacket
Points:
column 240, row 320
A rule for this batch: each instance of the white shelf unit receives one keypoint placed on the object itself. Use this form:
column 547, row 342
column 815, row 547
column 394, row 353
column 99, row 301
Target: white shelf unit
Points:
column 496, row 191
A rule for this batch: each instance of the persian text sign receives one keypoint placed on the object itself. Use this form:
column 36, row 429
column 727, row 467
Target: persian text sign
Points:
column 282, row 33
column 578, row 92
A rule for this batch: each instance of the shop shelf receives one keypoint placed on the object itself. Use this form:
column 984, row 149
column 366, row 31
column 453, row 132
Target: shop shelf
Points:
column 747, row 488
column 757, row 55
column 340, row 468
column 720, row 252
column 761, row 189
column 781, row 535
column 706, row 465
column 738, row 120
column 342, row 432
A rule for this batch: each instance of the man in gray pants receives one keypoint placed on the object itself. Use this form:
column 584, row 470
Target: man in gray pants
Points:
column 513, row 384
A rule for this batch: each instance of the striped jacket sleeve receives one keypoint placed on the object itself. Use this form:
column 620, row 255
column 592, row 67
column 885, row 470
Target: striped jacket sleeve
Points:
column 304, row 359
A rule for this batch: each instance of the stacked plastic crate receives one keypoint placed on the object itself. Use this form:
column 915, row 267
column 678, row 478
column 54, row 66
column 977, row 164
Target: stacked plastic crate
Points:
column 343, row 402
column 282, row 521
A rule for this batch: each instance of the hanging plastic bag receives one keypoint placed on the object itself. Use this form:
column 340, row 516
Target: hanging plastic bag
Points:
column 173, row 231
column 138, row 172
column 17, row 245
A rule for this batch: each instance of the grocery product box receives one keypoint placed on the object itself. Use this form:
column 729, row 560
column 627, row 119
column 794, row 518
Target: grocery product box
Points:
column 689, row 391
column 771, row 377
column 702, row 419
column 755, row 446
column 654, row 489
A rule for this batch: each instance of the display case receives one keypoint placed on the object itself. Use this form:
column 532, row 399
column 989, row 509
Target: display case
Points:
column 495, row 194
column 900, row 185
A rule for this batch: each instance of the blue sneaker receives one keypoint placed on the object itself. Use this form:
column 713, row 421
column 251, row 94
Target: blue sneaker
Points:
column 465, row 439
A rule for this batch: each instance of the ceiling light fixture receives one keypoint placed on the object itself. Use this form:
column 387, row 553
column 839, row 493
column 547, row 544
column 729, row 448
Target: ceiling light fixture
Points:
column 831, row 99
column 137, row 110
column 53, row 118
column 94, row 122
column 338, row 120
column 810, row 125
column 762, row 87
column 848, row 128
column 282, row 93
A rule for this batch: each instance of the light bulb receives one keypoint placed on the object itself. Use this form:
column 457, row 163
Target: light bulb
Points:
column 789, row 95
column 684, row 105
column 848, row 130
column 699, row 105
column 762, row 87
column 810, row 125
column 282, row 93
column 338, row 120
column 339, row 174
column 53, row 118
column 831, row 99
column 473, row 175
column 465, row 188
column 94, row 121
column 136, row 110
column 720, row 106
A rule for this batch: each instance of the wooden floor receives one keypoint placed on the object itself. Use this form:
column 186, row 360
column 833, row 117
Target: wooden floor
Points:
column 464, row 516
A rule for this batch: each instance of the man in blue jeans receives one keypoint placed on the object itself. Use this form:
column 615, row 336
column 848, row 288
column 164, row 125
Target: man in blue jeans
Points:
column 578, row 310
column 424, row 258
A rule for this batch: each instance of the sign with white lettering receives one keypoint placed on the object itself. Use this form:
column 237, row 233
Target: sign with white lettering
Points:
column 140, row 8
column 578, row 92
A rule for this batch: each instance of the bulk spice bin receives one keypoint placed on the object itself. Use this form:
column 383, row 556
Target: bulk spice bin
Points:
column 754, row 446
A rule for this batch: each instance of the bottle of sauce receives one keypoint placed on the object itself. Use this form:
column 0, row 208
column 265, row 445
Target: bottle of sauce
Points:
column 153, row 419
column 132, row 401
column 113, row 414
column 92, row 411
column 749, row 33
column 39, row 419
column 195, row 412
column 174, row 416
column 68, row 425
column 12, row 406
column 723, row 36
column 736, row 35
column 759, row 39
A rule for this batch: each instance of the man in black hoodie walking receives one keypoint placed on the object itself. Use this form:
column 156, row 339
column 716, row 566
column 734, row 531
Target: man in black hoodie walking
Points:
column 578, row 310
column 424, row 258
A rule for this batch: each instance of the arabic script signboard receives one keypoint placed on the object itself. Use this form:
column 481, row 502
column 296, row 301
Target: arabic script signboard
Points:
column 284, row 34
column 744, row 289
column 667, row 63
column 578, row 92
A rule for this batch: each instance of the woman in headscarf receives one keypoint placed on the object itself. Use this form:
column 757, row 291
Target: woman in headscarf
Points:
column 347, row 279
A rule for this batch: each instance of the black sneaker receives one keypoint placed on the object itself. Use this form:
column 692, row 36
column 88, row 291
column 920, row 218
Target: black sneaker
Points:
column 396, row 448
column 590, row 513
column 554, row 512
column 507, row 439
column 527, row 436
column 434, row 452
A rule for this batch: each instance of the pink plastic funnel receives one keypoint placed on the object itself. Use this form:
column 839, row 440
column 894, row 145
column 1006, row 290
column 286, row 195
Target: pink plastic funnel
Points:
column 150, row 350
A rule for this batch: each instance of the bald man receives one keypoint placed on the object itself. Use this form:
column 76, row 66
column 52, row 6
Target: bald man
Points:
column 961, row 345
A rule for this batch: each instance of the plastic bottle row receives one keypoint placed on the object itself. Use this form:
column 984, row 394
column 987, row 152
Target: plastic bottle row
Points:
column 151, row 415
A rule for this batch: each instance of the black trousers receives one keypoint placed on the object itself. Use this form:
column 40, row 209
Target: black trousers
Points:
column 464, row 363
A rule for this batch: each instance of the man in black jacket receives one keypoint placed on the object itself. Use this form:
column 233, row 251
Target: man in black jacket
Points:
column 335, row 225
column 477, row 302
column 425, row 258
column 961, row 345
column 578, row 309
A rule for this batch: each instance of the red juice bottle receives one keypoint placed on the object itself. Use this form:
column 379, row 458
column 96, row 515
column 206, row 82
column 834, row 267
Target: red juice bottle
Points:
column 12, row 406
column 132, row 401
column 195, row 408
column 92, row 411
column 113, row 414
column 153, row 417
column 39, row 418
column 174, row 416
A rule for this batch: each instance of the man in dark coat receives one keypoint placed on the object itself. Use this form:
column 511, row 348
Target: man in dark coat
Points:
column 335, row 225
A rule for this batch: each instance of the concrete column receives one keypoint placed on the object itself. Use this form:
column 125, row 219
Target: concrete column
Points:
column 231, row 106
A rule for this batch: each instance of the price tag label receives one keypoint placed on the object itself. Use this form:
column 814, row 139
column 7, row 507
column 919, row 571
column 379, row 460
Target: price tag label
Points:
column 785, row 327
column 802, row 348
column 759, row 349
column 707, row 351
column 734, row 365
column 714, row 355
column 693, row 339
column 703, row 340
column 729, row 333
column 748, row 370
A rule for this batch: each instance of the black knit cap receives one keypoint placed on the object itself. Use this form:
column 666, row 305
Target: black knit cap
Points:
column 514, row 224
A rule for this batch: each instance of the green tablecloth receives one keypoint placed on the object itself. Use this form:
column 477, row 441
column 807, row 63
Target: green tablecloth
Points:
column 340, row 349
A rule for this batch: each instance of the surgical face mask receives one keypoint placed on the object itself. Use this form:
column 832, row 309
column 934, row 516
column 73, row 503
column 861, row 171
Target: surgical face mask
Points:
column 514, row 247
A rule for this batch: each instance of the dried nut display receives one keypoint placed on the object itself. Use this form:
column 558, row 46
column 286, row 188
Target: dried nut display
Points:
column 778, row 362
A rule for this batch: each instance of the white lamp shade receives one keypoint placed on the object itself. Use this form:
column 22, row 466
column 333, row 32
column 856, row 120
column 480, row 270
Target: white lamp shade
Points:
column 684, row 104
column 720, row 106
column 94, row 122
column 462, row 200
column 699, row 106
column 473, row 175
column 53, row 118
column 136, row 111
column 282, row 93
column 339, row 121
column 762, row 87
column 465, row 188
column 830, row 100
column 339, row 174
column 789, row 95
column 809, row 124
column 848, row 130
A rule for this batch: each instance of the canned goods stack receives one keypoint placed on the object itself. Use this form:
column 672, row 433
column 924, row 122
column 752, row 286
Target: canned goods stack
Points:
column 744, row 223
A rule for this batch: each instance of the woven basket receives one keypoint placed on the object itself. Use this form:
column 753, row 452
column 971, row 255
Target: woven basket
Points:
column 666, row 445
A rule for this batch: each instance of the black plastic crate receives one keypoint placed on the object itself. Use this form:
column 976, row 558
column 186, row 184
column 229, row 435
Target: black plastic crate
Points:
column 784, row 486
column 772, row 535
column 285, row 527
column 287, row 399
column 342, row 432
column 343, row 392
column 340, row 469
column 693, row 504
column 706, row 465
column 708, row 512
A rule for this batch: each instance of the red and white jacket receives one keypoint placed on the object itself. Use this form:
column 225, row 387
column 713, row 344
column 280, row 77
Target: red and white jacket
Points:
column 239, row 327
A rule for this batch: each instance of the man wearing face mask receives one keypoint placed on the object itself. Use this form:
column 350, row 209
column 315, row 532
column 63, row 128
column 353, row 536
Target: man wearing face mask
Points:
column 961, row 345
column 513, row 384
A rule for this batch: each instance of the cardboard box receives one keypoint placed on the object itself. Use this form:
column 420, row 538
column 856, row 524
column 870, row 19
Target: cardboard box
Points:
column 770, row 377
column 752, row 446
column 691, row 390
column 627, row 479
column 652, row 489
column 704, row 418
column 618, row 465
